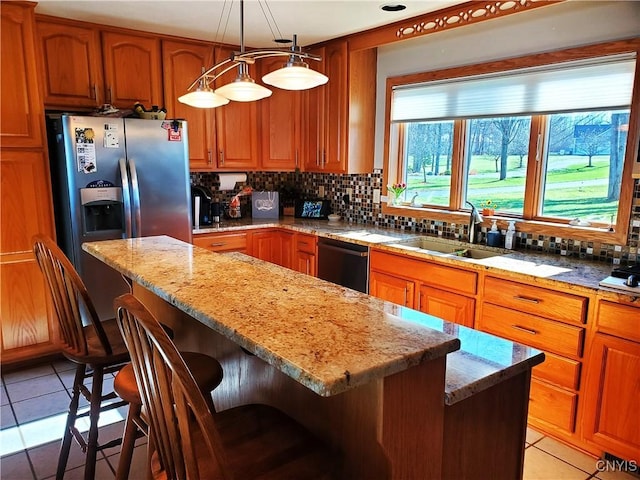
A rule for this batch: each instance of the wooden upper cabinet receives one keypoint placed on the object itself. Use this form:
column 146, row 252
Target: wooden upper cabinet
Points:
column 341, row 113
column 315, row 154
column 237, row 127
column 132, row 69
column 21, row 110
column 281, row 119
column 335, row 118
column 70, row 64
column 182, row 63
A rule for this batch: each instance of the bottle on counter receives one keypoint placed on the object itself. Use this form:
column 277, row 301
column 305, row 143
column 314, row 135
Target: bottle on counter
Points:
column 494, row 237
column 510, row 237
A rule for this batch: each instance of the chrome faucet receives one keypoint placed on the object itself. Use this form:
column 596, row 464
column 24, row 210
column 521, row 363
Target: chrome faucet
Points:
column 474, row 219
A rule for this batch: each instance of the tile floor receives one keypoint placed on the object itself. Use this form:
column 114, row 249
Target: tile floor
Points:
column 35, row 400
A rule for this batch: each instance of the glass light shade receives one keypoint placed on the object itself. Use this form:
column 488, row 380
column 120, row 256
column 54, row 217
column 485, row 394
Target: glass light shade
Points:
column 243, row 90
column 295, row 77
column 203, row 98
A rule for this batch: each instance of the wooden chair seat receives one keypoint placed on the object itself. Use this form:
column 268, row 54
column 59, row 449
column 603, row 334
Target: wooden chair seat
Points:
column 206, row 371
column 188, row 441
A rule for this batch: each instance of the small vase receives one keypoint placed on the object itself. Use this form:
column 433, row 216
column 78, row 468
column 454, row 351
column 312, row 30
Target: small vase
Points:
column 488, row 212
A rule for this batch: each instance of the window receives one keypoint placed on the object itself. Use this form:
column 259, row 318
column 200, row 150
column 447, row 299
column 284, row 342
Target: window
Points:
column 544, row 138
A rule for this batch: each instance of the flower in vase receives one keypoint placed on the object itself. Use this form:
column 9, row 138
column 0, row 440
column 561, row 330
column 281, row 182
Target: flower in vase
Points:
column 397, row 189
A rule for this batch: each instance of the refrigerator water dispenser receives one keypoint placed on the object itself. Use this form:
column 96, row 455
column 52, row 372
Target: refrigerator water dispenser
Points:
column 101, row 209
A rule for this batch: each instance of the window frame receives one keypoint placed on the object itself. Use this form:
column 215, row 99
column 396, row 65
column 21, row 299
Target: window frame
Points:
column 529, row 221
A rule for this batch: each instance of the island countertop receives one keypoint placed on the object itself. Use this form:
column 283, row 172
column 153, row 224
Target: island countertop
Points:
column 327, row 337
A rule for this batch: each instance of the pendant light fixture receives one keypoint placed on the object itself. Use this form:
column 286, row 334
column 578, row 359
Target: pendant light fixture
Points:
column 294, row 75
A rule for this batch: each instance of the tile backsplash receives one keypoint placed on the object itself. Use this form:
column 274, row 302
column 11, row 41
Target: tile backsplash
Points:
column 358, row 207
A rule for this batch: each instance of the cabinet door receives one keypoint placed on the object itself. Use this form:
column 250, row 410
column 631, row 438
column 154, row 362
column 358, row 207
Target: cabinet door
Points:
column 336, row 104
column 391, row 288
column 182, row 64
column 21, row 112
column 264, row 246
column 28, row 325
column 305, row 262
column 446, row 305
column 70, row 65
column 236, row 126
column 132, row 69
column 611, row 417
column 315, row 155
column 281, row 123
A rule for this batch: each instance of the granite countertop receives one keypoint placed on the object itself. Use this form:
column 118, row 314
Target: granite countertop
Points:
column 544, row 269
column 327, row 337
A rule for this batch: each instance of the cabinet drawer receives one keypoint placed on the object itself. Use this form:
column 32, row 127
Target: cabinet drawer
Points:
column 559, row 370
column 306, row 243
column 222, row 242
column 619, row 320
column 553, row 405
column 447, row 278
column 532, row 330
column 536, row 300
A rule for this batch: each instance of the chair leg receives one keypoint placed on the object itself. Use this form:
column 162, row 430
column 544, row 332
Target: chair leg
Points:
column 65, row 446
column 128, row 442
column 94, row 415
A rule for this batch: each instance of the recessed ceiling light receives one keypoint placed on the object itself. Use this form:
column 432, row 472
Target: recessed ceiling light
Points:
column 393, row 7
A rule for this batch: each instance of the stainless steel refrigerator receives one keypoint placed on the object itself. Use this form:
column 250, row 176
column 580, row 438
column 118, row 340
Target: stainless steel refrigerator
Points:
column 116, row 178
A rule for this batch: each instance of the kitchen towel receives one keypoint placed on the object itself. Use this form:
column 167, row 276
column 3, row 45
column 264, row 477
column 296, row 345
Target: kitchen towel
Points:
column 228, row 180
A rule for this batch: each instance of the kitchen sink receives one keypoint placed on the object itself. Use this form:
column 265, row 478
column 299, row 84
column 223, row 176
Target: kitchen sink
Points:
column 451, row 248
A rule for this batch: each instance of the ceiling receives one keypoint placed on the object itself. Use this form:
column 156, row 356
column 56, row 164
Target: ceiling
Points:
column 312, row 20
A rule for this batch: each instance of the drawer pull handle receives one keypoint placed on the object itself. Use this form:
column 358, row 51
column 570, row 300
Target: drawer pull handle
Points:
column 526, row 299
column 218, row 244
column 524, row 329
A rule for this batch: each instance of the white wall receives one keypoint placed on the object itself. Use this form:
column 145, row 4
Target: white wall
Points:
column 557, row 26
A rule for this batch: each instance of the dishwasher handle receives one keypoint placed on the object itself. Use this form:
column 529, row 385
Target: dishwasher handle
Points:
column 346, row 251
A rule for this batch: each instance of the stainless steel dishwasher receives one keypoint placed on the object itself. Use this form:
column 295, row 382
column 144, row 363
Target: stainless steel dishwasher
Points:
column 344, row 263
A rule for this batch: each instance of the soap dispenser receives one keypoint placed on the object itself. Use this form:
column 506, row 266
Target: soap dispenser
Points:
column 510, row 237
column 494, row 237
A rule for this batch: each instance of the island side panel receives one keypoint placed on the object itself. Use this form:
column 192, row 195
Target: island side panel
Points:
column 485, row 434
column 388, row 429
column 413, row 421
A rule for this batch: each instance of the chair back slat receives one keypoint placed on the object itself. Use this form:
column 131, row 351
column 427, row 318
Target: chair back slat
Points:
column 70, row 298
column 173, row 402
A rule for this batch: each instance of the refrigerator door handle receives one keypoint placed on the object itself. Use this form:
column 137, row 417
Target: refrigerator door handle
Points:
column 135, row 196
column 126, row 198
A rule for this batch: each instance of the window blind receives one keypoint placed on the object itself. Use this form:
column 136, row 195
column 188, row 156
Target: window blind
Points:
column 567, row 87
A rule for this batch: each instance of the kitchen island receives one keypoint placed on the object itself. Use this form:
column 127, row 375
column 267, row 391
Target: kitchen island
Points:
column 401, row 394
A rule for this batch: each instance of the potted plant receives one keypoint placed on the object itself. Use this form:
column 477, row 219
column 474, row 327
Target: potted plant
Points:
column 488, row 208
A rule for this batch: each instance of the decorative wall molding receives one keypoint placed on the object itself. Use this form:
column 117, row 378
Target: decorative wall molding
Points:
column 445, row 19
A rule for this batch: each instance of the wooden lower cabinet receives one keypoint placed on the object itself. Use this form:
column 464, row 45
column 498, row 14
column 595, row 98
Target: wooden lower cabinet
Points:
column 392, row 288
column 306, row 254
column 612, row 418
column 28, row 328
column 275, row 246
column 430, row 288
column 446, row 305
column 223, row 242
column 553, row 322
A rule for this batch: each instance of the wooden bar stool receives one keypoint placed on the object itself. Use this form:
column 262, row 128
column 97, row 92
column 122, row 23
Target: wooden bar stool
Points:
column 97, row 348
column 188, row 441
